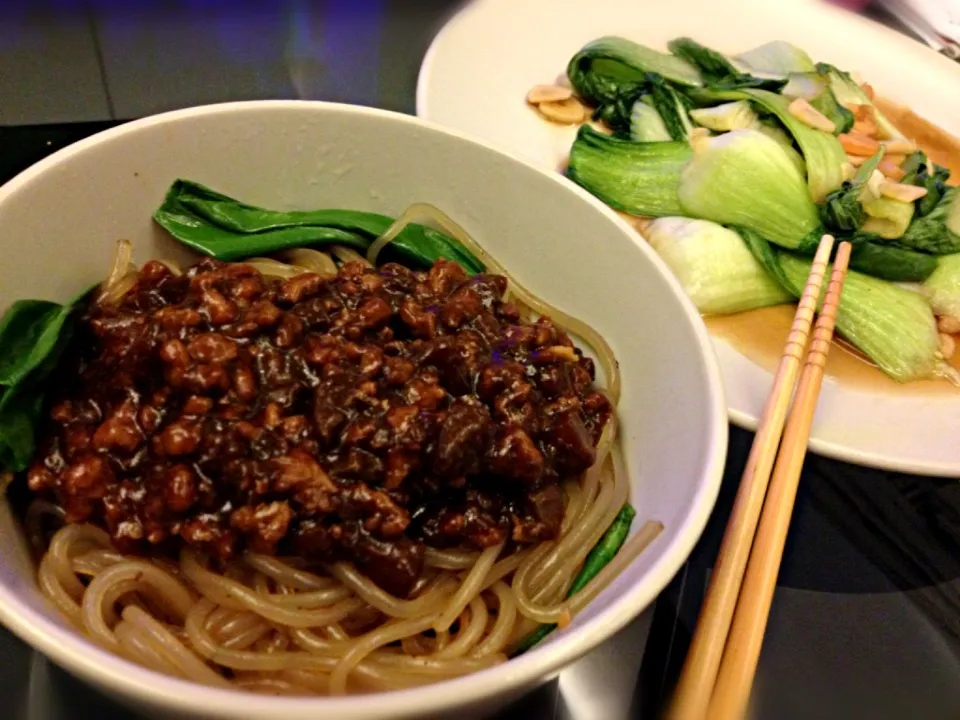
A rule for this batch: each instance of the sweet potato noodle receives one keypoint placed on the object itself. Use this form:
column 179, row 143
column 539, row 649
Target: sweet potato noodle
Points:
column 285, row 623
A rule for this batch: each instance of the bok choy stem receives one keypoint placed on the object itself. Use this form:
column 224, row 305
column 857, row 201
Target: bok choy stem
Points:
column 891, row 325
column 227, row 229
column 635, row 177
column 745, row 178
column 714, row 266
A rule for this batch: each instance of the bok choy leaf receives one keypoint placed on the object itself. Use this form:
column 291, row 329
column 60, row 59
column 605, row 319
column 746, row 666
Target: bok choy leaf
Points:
column 923, row 173
column 815, row 88
column 635, row 177
column 33, row 336
column 939, row 232
column 891, row 261
column 776, row 59
column 717, row 70
column 672, row 107
column 714, row 266
column 603, row 69
column 219, row 226
column 848, row 93
column 842, row 211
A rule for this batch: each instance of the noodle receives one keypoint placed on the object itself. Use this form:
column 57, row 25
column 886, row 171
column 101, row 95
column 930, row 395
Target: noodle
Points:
column 470, row 588
column 282, row 626
column 112, row 291
column 309, row 259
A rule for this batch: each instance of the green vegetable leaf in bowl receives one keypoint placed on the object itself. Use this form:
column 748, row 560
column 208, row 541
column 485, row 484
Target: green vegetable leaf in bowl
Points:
column 33, row 335
column 219, row 226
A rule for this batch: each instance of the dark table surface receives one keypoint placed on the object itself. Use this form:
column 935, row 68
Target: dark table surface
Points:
column 866, row 618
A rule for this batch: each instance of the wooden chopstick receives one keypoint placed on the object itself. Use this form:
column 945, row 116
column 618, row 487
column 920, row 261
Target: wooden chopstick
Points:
column 694, row 689
column 742, row 651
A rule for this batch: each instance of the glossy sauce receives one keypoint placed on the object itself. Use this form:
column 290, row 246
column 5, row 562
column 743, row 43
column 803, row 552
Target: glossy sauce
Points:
column 760, row 334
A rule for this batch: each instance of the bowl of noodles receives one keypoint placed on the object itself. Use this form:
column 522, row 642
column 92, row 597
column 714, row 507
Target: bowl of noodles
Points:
column 315, row 409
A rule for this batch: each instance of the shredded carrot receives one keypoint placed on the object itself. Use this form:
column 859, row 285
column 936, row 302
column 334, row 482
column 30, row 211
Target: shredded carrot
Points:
column 868, row 91
column 867, row 128
column 565, row 619
column 855, row 144
column 891, row 170
column 895, row 158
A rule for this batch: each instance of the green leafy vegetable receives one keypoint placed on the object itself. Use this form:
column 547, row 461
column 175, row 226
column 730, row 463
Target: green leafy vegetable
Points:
column 842, row 211
column 227, row 229
column 828, row 106
column 29, row 332
column 775, row 59
column 713, row 265
column 848, row 93
column 943, row 286
column 822, row 152
column 767, row 255
column 815, row 88
column 19, row 416
column 888, row 218
column 638, row 178
column 744, row 178
column 939, row 232
column 607, row 67
column 672, row 107
column 618, row 114
column 891, row 325
column 33, row 334
column 777, row 134
column 891, row 261
column 717, row 70
column 736, row 115
column 601, row 555
column 646, row 125
column 933, row 178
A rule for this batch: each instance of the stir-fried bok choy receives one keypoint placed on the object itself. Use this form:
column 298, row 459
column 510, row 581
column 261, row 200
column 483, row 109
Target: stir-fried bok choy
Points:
column 737, row 163
column 714, row 266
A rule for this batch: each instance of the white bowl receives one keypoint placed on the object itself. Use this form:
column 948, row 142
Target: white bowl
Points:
column 60, row 219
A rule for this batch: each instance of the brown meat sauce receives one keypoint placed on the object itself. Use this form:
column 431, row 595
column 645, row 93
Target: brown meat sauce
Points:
column 359, row 417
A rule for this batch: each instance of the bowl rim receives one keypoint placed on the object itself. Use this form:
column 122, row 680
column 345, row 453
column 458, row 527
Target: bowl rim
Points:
column 68, row 648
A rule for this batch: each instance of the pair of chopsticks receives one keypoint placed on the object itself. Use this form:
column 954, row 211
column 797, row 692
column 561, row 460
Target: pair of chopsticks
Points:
column 717, row 676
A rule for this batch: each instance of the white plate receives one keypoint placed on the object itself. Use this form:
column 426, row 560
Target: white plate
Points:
column 477, row 73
